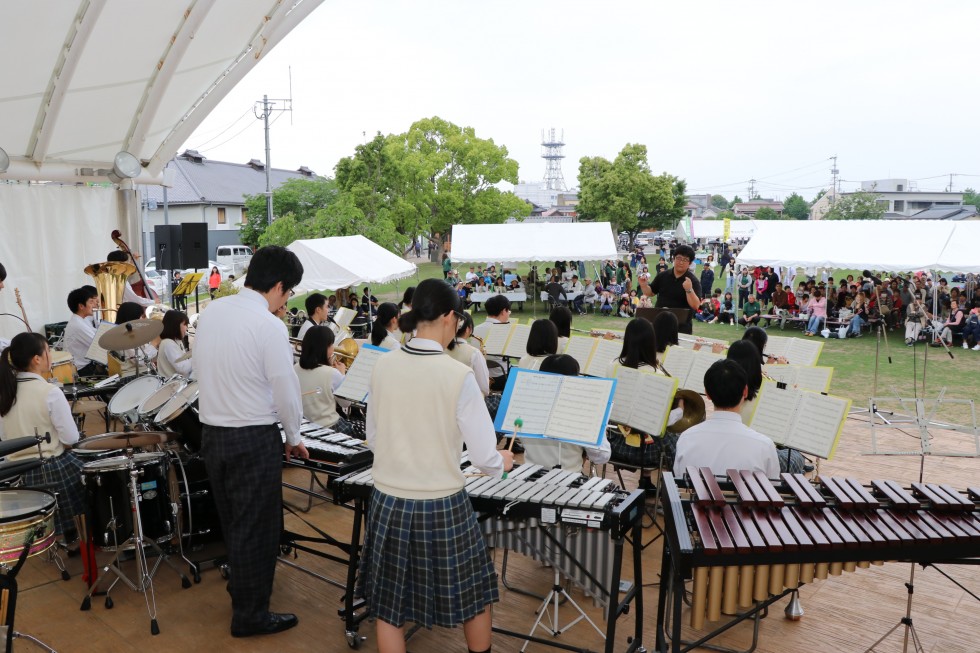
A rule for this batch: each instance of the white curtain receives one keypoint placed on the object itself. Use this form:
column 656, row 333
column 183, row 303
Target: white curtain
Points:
column 50, row 233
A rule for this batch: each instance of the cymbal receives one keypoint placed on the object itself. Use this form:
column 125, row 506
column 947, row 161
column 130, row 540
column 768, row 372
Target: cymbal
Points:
column 131, row 439
column 8, row 447
column 130, row 335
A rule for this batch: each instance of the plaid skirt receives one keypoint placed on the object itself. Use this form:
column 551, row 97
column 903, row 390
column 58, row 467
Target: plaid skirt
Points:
column 353, row 428
column 63, row 476
column 425, row 561
column 646, row 456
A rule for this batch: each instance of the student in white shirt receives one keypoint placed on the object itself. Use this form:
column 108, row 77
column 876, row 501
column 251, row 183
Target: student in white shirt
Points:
column 498, row 312
column 28, row 402
column 320, row 374
column 384, row 331
column 420, row 518
column 244, row 366
column 549, row 453
column 129, row 295
column 316, row 312
column 541, row 343
column 80, row 330
column 172, row 348
column 470, row 356
column 722, row 442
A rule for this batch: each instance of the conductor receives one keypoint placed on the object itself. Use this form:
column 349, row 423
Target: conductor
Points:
column 677, row 287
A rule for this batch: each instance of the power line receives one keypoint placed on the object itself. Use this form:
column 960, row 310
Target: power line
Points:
column 239, row 133
column 235, row 122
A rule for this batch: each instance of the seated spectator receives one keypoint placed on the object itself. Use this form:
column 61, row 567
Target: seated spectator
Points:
column 915, row 320
column 706, row 313
column 726, row 311
column 589, row 294
column 625, row 308
column 954, row 324
column 751, row 312
column 971, row 330
column 816, row 308
column 860, row 317
column 606, row 303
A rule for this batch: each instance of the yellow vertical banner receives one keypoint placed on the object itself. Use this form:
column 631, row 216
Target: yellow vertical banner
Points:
column 727, row 234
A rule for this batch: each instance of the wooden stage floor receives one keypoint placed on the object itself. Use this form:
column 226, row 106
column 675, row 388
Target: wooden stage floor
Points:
column 847, row 613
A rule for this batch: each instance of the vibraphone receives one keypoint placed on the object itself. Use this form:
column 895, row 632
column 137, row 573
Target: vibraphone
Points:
column 747, row 542
column 333, row 454
column 576, row 523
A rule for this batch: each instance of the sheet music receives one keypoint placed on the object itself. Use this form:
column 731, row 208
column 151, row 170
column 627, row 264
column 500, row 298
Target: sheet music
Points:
column 677, row 361
column 531, row 398
column 775, row 411
column 700, row 363
column 95, row 351
column 652, row 405
column 517, row 345
column 357, row 381
column 577, row 416
column 627, row 380
column 777, row 346
column 580, row 348
column 818, row 424
column 496, row 339
column 605, row 352
column 344, row 316
column 801, row 351
column 802, row 378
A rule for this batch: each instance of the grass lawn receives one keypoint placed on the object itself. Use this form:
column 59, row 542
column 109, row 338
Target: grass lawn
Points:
column 899, row 367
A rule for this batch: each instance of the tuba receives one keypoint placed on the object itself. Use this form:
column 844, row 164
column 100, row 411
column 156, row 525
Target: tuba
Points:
column 694, row 411
column 346, row 349
column 110, row 280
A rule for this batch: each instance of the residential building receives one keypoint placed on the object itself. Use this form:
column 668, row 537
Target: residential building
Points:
column 821, row 206
column 749, row 209
column 208, row 191
column 901, row 199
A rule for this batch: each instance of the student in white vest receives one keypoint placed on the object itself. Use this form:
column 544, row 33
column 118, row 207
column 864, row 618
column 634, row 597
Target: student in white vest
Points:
column 320, row 374
column 29, row 404
column 550, row 453
column 384, row 330
column 425, row 560
column 469, row 355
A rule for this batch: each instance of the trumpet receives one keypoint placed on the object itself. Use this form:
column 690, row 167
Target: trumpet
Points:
column 596, row 333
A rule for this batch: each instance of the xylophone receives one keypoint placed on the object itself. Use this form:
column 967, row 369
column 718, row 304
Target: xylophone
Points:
column 576, row 523
column 747, row 541
column 330, row 451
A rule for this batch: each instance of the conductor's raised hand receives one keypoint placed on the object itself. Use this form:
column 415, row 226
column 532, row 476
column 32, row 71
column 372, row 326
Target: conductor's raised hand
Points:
column 687, row 285
column 298, row 450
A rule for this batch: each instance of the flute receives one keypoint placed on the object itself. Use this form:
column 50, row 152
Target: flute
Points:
column 595, row 333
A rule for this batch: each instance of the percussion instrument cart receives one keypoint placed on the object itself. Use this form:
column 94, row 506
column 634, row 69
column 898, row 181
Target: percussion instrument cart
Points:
column 143, row 582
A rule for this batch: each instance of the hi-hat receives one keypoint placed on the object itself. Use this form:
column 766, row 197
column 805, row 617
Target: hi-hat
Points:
column 127, row 440
column 14, row 445
column 130, row 335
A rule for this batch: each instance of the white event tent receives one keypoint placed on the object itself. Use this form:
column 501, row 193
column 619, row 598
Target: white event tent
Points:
column 884, row 245
column 344, row 261
column 533, row 243
column 714, row 229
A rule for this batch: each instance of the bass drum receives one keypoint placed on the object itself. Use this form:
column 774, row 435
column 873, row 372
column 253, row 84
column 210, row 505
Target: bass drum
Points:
column 199, row 511
column 180, row 415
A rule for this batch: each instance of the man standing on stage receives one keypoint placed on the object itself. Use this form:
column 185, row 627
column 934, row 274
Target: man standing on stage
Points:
column 244, row 365
column 677, row 287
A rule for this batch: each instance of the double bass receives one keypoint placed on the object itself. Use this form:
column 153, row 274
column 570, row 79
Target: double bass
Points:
column 141, row 288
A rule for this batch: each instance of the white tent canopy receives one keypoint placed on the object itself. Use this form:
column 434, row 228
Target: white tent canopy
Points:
column 492, row 243
column 714, row 229
column 885, row 245
column 343, row 261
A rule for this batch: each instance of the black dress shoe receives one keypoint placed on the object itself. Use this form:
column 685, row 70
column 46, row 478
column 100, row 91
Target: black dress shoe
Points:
column 275, row 622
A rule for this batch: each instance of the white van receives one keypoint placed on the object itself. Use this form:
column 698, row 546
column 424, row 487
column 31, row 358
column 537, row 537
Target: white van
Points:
column 236, row 257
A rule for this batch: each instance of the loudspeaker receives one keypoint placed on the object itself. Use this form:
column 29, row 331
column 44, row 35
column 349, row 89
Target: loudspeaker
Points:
column 195, row 244
column 167, row 238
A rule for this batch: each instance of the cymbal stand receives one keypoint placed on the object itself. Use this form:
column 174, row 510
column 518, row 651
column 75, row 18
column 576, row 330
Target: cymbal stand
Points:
column 144, row 573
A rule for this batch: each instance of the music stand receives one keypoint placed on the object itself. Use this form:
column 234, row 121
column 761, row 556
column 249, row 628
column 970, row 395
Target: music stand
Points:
column 188, row 284
column 682, row 314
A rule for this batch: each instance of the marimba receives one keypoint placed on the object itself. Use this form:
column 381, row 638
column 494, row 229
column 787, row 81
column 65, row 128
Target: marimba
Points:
column 576, row 523
column 746, row 541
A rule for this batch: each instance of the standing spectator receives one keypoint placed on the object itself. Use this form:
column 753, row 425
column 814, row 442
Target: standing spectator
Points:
column 762, row 287
column 180, row 301
column 214, row 281
column 707, row 279
column 447, row 265
column 744, row 286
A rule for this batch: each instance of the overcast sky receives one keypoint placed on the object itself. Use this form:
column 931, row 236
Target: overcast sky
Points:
column 719, row 92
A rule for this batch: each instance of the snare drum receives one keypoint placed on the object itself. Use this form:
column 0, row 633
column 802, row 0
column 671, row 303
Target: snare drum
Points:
column 62, row 368
column 180, row 415
column 149, row 406
column 125, row 403
column 23, row 514
column 108, row 501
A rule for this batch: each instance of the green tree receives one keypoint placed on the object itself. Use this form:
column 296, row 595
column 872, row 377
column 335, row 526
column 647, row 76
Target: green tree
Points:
column 283, row 231
column 861, row 205
column 625, row 193
column 971, row 197
column 300, row 197
column 796, row 207
column 719, row 202
column 823, row 191
column 729, row 214
column 345, row 218
column 735, row 200
column 766, row 213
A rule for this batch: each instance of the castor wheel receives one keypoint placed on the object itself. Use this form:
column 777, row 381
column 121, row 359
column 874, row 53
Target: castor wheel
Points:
column 197, row 576
column 108, row 602
column 224, row 571
column 354, row 640
column 65, row 575
column 154, row 627
column 185, row 582
column 86, row 604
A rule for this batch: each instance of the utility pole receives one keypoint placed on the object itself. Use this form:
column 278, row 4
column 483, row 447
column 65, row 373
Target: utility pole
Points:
column 833, row 189
column 751, row 189
column 268, row 106
column 950, row 188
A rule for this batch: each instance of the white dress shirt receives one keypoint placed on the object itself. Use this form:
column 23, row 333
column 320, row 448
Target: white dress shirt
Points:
column 79, row 333
column 307, row 325
column 722, row 442
column 478, row 364
column 168, row 362
column 471, row 418
column 129, row 295
column 66, row 431
column 244, row 365
column 390, row 342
